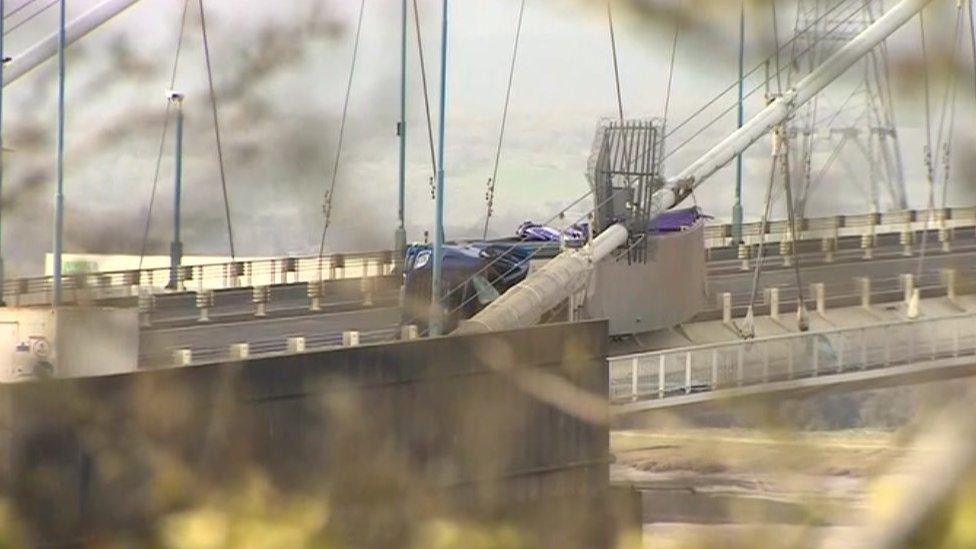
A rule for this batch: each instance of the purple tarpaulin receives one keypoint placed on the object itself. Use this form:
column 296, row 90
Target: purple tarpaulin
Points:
column 535, row 232
column 676, row 220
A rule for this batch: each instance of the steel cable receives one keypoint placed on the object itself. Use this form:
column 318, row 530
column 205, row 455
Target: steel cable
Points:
column 162, row 139
column 423, row 78
column 616, row 68
column 718, row 117
column 732, row 86
column 220, row 148
column 490, row 196
column 342, row 130
column 30, row 17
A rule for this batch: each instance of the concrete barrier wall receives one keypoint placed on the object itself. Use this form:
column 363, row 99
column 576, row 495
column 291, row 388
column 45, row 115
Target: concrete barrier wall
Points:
column 667, row 290
column 389, row 437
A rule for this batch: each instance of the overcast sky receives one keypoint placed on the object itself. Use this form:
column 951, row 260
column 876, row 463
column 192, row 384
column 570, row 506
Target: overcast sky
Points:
column 281, row 70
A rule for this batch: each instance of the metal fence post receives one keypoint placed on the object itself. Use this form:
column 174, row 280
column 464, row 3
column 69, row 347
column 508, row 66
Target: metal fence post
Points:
column 887, row 350
column 660, row 376
column 840, row 353
column 739, row 373
column 714, row 369
column 789, row 360
column 955, row 339
column 864, row 349
column 688, row 372
column 865, row 287
column 816, row 357
column 635, row 362
column 820, row 297
column 908, row 286
column 949, row 279
column 765, row 374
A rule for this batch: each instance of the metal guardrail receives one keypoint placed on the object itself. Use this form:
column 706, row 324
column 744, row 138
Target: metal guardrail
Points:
column 711, row 367
column 266, row 272
column 264, row 348
column 719, row 236
column 214, row 276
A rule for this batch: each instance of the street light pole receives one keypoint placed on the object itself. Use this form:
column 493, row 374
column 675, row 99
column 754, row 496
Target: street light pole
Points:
column 437, row 312
column 400, row 238
column 59, row 188
column 737, row 207
column 176, row 247
column 3, row 62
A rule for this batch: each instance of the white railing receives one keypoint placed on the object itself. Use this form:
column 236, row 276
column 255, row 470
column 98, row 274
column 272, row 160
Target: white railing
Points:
column 263, row 347
column 720, row 236
column 214, row 276
column 724, row 365
column 265, row 272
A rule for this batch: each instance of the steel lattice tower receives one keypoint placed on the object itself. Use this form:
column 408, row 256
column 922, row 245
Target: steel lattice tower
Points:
column 859, row 129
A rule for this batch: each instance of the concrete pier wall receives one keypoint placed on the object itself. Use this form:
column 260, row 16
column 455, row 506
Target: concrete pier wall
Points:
column 494, row 429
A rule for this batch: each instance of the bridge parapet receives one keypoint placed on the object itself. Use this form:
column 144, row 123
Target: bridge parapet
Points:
column 674, row 372
column 719, row 236
column 213, row 276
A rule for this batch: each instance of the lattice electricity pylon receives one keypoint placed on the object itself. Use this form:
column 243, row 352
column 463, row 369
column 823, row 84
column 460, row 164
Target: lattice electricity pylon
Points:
column 624, row 170
column 822, row 133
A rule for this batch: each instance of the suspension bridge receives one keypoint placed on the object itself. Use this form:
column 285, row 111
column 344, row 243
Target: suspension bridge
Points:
column 192, row 314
